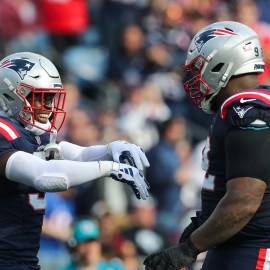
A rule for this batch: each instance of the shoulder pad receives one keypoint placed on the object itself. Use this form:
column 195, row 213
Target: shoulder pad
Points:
column 248, row 108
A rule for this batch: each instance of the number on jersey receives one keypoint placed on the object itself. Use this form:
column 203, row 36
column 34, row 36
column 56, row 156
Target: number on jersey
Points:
column 37, row 201
column 209, row 180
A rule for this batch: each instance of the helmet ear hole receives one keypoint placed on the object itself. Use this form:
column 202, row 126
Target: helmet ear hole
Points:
column 9, row 98
column 218, row 67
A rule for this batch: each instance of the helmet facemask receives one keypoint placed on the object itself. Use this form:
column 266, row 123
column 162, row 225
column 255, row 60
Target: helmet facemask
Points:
column 43, row 109
column 197, row 89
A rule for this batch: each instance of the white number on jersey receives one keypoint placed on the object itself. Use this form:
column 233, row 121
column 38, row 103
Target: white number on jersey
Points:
column 37, row 201
column 209, row 180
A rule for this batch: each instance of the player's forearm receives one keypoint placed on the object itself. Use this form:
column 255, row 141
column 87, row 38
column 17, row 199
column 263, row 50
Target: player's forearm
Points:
column 75, row 152
column 53, row 175
column 232, row 213
column 225, row 222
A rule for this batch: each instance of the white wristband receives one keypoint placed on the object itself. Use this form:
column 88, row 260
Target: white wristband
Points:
column 106, row 167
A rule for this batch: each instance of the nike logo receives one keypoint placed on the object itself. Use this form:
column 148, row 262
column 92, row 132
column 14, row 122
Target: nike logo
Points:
column 242, row 100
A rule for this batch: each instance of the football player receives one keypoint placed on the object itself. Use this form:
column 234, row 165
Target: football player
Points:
column 32, row 162
column 224, row 60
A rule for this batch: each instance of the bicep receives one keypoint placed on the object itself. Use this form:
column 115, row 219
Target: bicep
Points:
column 245, row 194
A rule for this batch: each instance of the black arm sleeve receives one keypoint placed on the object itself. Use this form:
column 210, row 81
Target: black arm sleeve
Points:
column 247, row 154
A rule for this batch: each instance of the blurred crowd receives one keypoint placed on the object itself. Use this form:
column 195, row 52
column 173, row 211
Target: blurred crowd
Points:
column 120, row 62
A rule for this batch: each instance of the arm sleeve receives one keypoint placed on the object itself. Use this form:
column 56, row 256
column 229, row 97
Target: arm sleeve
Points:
column 53, row 175
column 75, row 152
column 247, row 154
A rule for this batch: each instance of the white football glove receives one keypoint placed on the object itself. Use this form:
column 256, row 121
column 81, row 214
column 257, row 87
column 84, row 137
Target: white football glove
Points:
column 126, row 174
column 116, row 149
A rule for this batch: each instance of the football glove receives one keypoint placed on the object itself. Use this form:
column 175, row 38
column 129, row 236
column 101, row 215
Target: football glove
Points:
column 131, row 176
column 173, row 258
column 127, row 158
column 116, row 149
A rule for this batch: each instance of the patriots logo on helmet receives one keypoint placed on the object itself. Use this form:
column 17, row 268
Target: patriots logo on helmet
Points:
column 20, row 66
column 211, row 33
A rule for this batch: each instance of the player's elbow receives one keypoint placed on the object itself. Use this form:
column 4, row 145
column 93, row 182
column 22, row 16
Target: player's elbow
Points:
column 48, row 183
column 250, row 209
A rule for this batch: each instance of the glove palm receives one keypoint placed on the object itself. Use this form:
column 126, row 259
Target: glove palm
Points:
column 173, row 258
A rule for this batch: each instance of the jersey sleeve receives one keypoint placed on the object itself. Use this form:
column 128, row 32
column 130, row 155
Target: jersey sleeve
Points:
column 247, row 109
column 247, row 153
column 248, row 117
column 5, row 145
column 8, row 135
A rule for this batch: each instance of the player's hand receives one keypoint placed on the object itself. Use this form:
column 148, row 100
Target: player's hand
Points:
column 131, row 176
column 173, row 258
column 116, row 149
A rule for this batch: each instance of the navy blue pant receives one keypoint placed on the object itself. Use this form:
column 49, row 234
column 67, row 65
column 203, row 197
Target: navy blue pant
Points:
column 237, row 258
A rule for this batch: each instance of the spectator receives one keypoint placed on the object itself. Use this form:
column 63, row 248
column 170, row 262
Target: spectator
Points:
column 139, row 113
column 59, row 216
column 164, row 172
column 144, row 231
column 247, row 12
column 127, row 62
column 111, row 224
column 264, row 6
column 18, row 27
column 86, row 250
column 84, row 132
column 64, row 22
column 116, row 15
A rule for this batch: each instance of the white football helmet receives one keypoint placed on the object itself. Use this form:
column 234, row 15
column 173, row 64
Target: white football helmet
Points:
column 216, row 53
column 26, row 78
